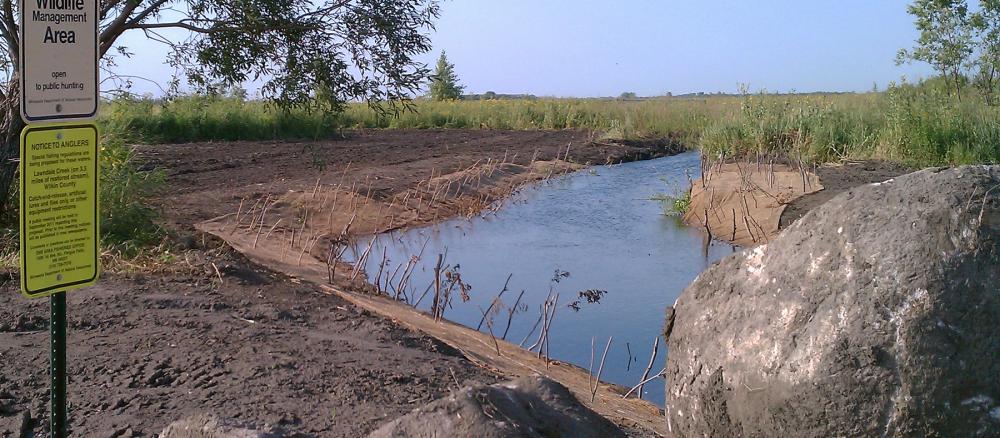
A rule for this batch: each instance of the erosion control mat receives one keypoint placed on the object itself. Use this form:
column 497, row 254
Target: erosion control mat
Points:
column 478, row 347
column 309, row 221
column 294, row 233
column 742, row 202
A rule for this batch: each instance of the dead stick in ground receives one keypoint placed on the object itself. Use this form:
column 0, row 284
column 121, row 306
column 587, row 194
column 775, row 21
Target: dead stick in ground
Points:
column 437, row 286
column 600, row 370
column 590, row 370
column 378, row 277
column 238, row 212
column 263, row 207
column 480, row 326
column 548, row 329
column 428, row 289
column 308, row 247
column 645, row 374
column 510, row 314
column 539, row 320
column 643, row 383
column 261, row 226
column 401, row 286
column 272, row 228
column 545, row 320
column 252, row 212
column 734, row 225
column 388, row 281
column 489, row 325
column 363, row 260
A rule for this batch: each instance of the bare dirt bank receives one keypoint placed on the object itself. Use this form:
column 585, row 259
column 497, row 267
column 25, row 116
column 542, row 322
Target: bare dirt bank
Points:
column 749, row 205
column 208, row 180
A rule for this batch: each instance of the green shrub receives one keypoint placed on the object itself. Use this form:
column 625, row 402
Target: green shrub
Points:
column 674, row 205
column 126, row 218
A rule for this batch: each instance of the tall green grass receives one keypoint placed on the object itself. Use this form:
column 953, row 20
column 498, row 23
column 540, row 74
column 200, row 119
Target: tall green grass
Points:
column 918, row 124
column 208, row 118
column 204, row 118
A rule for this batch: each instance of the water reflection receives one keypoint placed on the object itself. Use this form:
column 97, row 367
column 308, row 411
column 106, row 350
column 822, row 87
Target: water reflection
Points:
column 597, row 225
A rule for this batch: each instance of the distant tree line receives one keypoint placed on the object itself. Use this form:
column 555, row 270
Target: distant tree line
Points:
column 963, row 45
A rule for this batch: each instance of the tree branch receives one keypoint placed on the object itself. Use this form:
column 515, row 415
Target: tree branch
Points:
column 176, row 24
column 123, row 22
column 10, row 33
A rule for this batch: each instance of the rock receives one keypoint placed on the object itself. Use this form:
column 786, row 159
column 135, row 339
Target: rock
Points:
column 7, row 405
column 207, row 426
column 876, row 314
column 527, row 407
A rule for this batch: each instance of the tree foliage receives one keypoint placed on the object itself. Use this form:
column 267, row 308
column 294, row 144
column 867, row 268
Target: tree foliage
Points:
column 444, row 81
column 986, row 22
column 351, row 49
column 946, row 38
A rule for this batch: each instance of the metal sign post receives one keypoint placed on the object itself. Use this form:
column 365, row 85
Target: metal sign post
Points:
column 58, row 420
column 60, row 241
column 59, row 166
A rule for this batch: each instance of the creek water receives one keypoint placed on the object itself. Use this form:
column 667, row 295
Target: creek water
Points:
column 600, row 226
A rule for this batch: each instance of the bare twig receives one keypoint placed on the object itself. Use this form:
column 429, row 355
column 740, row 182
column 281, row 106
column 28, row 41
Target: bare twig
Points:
column 437, row 287
column 510, row 314
column 643, row 383
column 652, row 359
column 600, row 370
column 480, row 326
column 489, row 325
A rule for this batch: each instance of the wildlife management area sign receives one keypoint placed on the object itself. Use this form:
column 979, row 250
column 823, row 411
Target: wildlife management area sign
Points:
column 59, row 210
column 59, row 52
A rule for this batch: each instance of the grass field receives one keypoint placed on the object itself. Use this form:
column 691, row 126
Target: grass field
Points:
column 916, row 124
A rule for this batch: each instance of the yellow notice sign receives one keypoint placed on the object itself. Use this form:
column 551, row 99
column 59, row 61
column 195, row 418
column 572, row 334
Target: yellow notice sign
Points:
column 59, row 209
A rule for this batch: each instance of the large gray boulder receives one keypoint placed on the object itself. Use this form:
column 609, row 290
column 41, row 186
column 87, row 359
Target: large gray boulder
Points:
column 527, row 407
column 876, row 314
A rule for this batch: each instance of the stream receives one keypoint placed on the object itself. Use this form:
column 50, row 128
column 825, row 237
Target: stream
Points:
column 595, row 229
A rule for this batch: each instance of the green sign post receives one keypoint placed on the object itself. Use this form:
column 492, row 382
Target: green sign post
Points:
column 59, row 226
column 59, row 82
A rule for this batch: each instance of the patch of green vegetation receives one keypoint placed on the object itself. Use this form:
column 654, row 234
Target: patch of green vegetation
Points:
column 674, row 205
column 919, row 124
column 127, row 221
column 213, row 118
column 227, row 118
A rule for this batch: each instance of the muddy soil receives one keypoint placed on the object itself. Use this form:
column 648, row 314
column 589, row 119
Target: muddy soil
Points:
column 148, row 350
column 215, row 334
column 840, row 178
column 207, row 180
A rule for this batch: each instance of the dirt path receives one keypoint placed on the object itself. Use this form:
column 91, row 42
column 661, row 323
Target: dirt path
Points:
column 150, row 350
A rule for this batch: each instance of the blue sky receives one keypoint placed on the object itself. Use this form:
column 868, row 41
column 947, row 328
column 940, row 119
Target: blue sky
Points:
column 600, row 48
